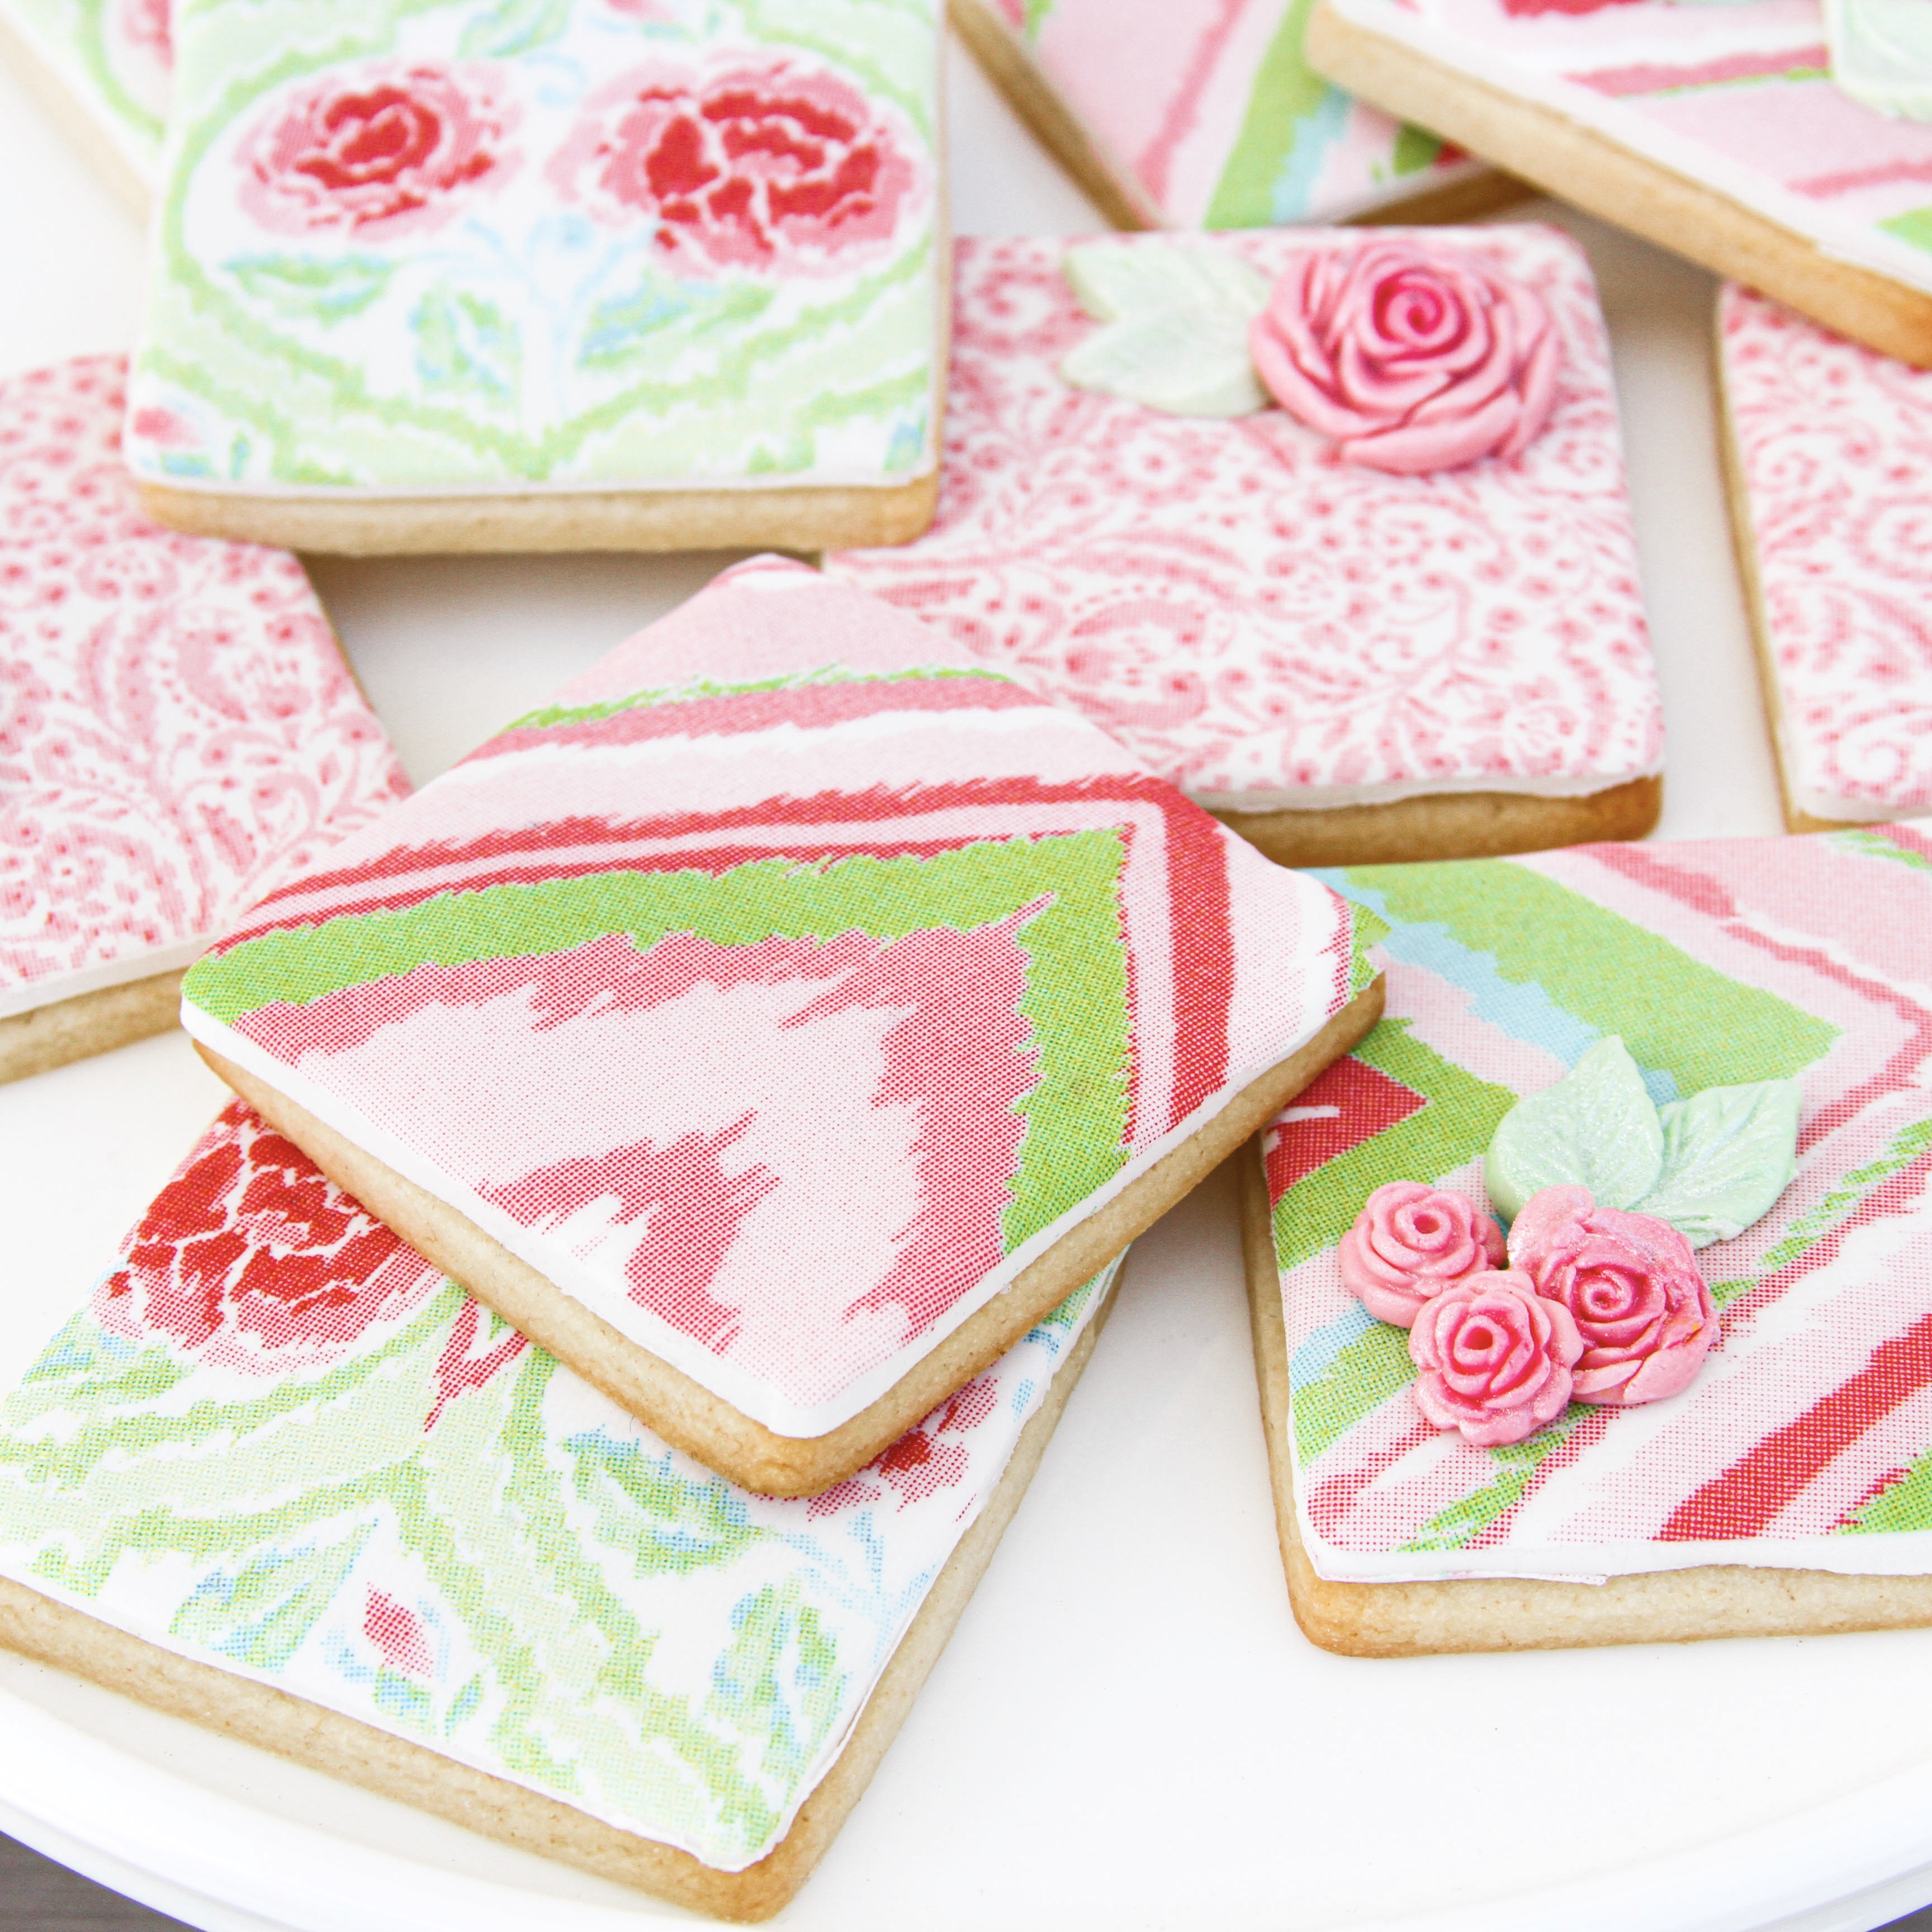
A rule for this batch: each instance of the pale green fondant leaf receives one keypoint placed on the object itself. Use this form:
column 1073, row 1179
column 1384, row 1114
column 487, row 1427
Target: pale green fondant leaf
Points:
column 1596, row 1128
column 298, row 285
column 1727, row 1156
column 1175, row 333
column 1882, row 54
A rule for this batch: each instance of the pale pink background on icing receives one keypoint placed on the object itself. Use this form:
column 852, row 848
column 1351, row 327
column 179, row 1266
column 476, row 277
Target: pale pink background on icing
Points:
column 178, row 730
column 1249, row 616
column 1836, row 447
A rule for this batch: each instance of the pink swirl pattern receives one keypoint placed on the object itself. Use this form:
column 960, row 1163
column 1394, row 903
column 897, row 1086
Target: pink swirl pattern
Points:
column 178, row 729
column 1255, row 620
column 1495, row 1358
column 1834, row 446
column 1412, row 359
column 1410, row 1242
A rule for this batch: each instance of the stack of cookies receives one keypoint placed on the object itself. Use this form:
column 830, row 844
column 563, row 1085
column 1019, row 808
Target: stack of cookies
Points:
column 1193, row 703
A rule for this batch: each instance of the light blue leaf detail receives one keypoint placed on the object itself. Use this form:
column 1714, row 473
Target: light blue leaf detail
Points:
column 1597, row 1127
column 463, row 342
column 513, row 27
column 1728, row 1154
column 618, row 324
column 309, row 287
column 1177, row 318
column 260, row 1613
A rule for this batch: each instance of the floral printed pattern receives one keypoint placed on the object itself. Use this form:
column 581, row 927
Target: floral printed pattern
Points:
column 424, row 248
column 114, row 59
column 1265, row 626
column 361, row 1489
column 178, row 729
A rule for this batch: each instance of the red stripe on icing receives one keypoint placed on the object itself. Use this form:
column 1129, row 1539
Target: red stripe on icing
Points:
column 1201, row 920
column 1653, row 77
column 1849, row 181
column 1157, row 158
column 1754, row 1490
column 810, row 707
column 1330, row 1500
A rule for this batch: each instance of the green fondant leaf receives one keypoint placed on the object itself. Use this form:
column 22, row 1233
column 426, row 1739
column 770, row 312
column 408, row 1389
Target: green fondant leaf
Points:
column 1727, row 1156
column 1882, row 54
column 1176, row 319
column 300, row 286
column 1597, row 1127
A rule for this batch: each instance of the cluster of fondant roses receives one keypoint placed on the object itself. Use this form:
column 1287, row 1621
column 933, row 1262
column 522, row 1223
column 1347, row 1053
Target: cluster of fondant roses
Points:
column 1409, row 359
column 737, row 168
column 1582, row 1303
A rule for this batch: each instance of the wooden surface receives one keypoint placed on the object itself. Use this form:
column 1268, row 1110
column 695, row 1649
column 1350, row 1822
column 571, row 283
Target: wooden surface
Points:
column 36, row 1895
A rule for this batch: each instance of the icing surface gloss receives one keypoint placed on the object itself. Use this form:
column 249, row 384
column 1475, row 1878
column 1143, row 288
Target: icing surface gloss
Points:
column 1265, row 626
column 781, row 989
column 179, row 731
column 1834, row 445
column 1805, row 1439
column 438, row 248
column 276, row 1442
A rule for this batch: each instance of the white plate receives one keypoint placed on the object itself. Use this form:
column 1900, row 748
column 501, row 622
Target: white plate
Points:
column 1127, row 1732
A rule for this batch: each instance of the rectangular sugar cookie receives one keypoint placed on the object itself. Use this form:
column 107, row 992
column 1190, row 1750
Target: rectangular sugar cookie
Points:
column 1716, row 131
column 101, row 68
column 1828, row 453
column 1345, row 664
column 453, row 276
column 180, row 733
column 1785, row 1490
column 778, row 1024
column 279, row 1476
column 1200, row 114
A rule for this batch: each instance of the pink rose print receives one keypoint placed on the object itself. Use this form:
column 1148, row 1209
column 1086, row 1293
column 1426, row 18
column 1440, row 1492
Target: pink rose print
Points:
column 1410, row 359
column 1632, row 1286
column 1496, row 1358
column 1410, row 1242
column 766, row 164
column 394, row 149
column 146, row 23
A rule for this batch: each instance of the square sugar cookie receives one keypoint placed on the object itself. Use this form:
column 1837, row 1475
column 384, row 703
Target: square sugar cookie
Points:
column 178, row 731
column 100, row 68
column 1785, row 1490
column 279, row 1476
column 778, row 1024
column 1346, row 665
column 1829, row 465
column 1716, row 131
column 597, row 275
column 1195, row 114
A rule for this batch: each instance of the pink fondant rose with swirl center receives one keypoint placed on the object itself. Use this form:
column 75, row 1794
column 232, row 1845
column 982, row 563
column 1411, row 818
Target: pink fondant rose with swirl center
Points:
column 1494, row 1357
column 765, row 164
column 393, row 149
column 1631, row 1284
column 1411, row 359
column 1410, row 1242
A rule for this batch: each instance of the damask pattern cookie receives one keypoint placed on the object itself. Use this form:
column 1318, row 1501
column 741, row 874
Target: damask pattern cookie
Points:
column 598, row 275
column 1785, row 1489
column 779, row 1022
column 179, row 732
column 103, row 68
column 1718, row 131
column 1349, row 663
column 1830, row 449
column 1201, row 114
column 278, row 1445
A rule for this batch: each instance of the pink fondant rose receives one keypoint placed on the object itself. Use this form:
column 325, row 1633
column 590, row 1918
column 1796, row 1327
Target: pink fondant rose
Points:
column 1410, row 1242
column 1496, row 1358
column 395, row 148
column 1632, row 1286
column 766, row 164
column 1411, row 359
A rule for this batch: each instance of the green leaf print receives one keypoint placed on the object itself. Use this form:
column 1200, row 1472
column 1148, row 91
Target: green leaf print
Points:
column 300, row 286
column 463, row 342
column 780, row 1679
column 513, row 27
column 664, row 1521
column 260, row 1613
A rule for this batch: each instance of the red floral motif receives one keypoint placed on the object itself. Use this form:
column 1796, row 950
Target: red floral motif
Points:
column 391, row 149
column 397, row 1631
column 762, row 165
column 462, row 1367
column 147, row 24
column 250, row 1256
column 925, row 1459
column 1496, row 1358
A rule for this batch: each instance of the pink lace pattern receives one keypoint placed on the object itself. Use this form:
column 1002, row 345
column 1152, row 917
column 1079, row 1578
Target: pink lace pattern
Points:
column 178, row 730
column 1267, row 626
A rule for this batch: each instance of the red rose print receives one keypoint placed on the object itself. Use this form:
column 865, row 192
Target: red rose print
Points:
column 393, row 148
column 249, row 1254
column 760, row 165
column 146, row 23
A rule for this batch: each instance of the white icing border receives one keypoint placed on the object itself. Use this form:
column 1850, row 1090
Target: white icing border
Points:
column 36, row 994
column 1336, row 798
